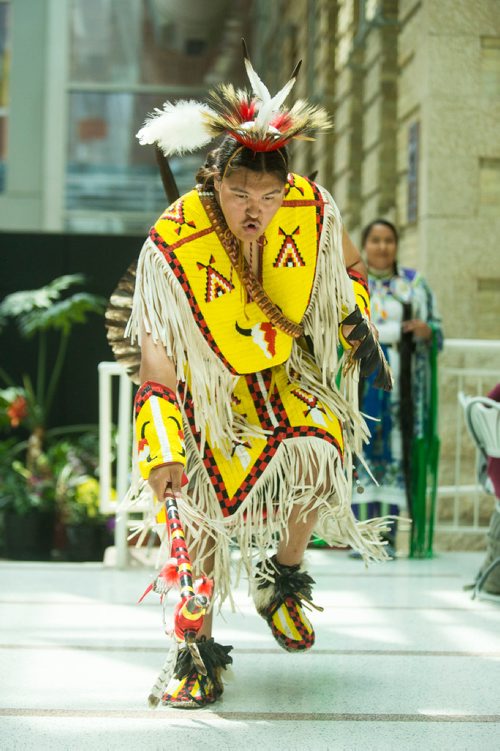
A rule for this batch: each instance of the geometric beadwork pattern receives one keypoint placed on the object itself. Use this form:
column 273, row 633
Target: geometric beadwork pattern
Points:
column 356, row 276
column 217, row 284
column 289, row 254
column 312, row 403
column 205, row 284
column 361, row 291
column 291, row 184
column 273, row 418
column 149, row 389
column 318, row 201
column 178, row 271
column 290, row 626
column 176, row 214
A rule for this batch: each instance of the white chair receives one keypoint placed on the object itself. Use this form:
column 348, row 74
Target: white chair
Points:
column 482, row 417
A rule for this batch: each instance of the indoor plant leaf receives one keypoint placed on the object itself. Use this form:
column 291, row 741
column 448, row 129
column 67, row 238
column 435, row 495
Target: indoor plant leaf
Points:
column 62, row 314
column 26, row 301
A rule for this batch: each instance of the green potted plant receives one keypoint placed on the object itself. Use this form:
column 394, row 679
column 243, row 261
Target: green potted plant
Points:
column 77, row 493
column 27, row 498
column 27, row 477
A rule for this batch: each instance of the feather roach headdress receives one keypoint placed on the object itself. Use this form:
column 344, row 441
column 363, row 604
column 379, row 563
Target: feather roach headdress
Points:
column 258, row 120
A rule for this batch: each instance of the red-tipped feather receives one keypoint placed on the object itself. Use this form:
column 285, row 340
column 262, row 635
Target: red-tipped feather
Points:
column 246, row 110
column 170, row 573
column 205, row 586
column 281, row 121
column 265, row 143
column 148, row 589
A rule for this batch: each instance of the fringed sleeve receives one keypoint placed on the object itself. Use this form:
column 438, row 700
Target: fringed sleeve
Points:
column 161, row 308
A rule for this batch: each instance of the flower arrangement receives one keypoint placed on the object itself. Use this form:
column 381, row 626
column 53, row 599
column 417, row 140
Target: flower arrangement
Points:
column 46, row 473
column 23, row 489
column 77, row 491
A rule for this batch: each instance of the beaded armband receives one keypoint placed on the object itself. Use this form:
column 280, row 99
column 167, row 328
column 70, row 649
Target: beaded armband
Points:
column 158, row 428
column 361, row 292
column 362, row 297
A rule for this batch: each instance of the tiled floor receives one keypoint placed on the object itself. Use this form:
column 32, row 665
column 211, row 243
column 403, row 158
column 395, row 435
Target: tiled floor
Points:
column 404, row 659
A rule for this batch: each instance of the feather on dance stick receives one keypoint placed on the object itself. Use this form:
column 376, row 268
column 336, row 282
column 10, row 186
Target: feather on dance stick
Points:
column 164, row 676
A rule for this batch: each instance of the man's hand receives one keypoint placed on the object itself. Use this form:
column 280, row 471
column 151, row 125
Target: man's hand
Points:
column 166, row 478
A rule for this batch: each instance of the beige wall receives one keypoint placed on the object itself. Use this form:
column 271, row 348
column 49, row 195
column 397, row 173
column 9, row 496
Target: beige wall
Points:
column 379, row 66
column 459, row 223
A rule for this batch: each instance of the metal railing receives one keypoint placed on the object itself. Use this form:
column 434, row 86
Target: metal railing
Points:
column 472, row 367
column 115, row 449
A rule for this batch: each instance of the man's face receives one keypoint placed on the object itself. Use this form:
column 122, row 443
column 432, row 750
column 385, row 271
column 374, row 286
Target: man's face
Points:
column 249, row 200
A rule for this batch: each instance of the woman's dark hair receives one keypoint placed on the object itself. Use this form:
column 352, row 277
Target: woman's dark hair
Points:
column 230, row 155
column 366, row 231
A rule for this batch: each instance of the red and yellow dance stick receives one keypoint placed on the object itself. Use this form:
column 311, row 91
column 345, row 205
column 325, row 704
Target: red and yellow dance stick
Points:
column 178, row 571
column 190, row 611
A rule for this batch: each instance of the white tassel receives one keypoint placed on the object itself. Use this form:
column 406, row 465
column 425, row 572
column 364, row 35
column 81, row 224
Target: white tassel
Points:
column 180, row 127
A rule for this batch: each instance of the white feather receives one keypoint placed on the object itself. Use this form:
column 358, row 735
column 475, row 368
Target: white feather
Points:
column 267, row 109
column 259, row 87
column 178, row 128
column 279, row 98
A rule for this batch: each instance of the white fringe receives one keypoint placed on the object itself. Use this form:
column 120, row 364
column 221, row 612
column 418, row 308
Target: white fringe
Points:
column 332, row 295
column 161, row 306
column 264, row 514
column 331, row 300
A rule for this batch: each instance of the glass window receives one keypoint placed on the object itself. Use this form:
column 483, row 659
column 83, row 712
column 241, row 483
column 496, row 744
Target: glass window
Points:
column 108, row 170
column 147, row 41
column 4, row 86
column 126, row 57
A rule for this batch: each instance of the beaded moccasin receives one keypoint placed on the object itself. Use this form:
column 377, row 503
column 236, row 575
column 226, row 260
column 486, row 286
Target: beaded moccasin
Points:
column 190, row 689
column 280, row 595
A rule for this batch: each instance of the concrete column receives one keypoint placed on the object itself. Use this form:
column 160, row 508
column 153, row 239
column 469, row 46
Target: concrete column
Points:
column 450, row 81
column 379, row 39
column 349, row 75
column 37, row 117
column 21, row 203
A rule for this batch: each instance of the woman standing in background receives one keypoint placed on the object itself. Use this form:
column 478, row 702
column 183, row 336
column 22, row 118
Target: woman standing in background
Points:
column 405, row 314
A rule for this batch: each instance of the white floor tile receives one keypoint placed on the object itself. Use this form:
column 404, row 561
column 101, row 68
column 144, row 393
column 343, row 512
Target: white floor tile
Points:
column 404, row 659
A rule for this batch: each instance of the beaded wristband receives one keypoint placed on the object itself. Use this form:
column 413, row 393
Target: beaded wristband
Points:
column 361, row 291
column 158, row 428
